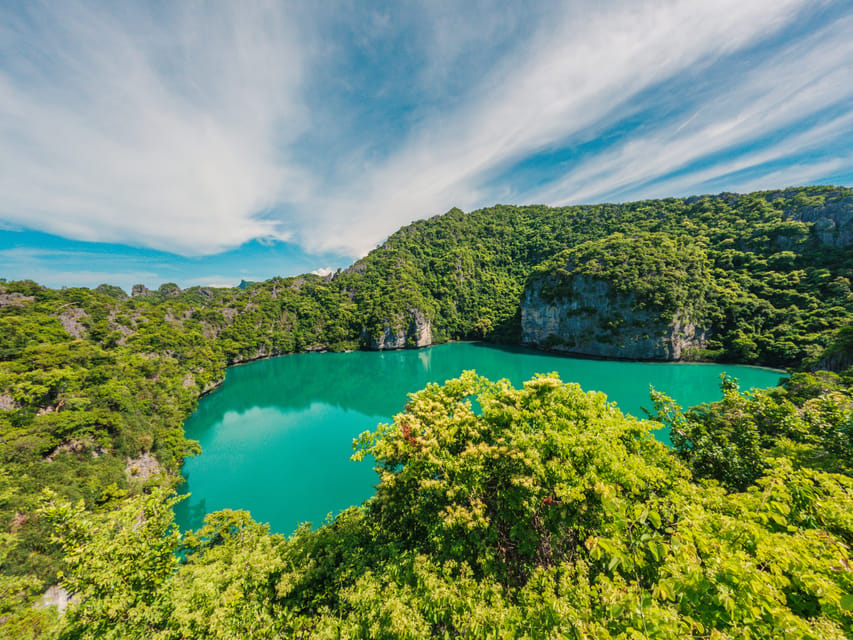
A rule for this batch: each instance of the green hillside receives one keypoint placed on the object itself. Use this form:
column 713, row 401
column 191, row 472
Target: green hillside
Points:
column 536, row 517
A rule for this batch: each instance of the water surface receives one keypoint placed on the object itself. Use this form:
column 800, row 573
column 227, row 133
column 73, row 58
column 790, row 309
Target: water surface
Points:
column 277, row 435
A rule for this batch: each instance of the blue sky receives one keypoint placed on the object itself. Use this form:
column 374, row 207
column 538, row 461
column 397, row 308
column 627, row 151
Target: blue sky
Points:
column 205, row 143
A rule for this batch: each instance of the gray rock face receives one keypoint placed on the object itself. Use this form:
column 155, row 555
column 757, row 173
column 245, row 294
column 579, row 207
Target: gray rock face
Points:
column 7, row 402
column 833, row 222
column 142, row 467
column 14, row 299
column 835, row 362
column 263, row 352
column 595, row 322
column 55, row 596
column 70, row 320
column 412, row 331
column 169, row 289
column 140, row 290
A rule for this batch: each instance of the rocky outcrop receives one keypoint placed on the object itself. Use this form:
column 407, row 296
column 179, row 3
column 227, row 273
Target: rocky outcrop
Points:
column 7, row 402
column 832, row 219
column 111, row 290
column 70, row 320
column 56, row 596
column 640, row 297
column 410, row 330
column 140, row 291
column 838, row 356
column 14, row 299
column 263, row 351
column 169, row 290
column 594, row 321
column 835, row 362
column 142, row 468
column 116, row 325
column 76, row 446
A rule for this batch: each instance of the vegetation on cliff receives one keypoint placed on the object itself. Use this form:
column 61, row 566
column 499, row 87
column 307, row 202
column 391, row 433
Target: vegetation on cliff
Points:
column 91, row 381
column 662, row 273
column 643, row 296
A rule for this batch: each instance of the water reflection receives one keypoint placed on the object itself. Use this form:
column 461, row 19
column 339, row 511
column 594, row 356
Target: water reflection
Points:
column 377, row 383
column 276, row 436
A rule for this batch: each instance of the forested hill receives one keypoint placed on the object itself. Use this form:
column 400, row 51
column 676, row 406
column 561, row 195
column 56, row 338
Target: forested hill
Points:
column 95, row 385
column 777, row 286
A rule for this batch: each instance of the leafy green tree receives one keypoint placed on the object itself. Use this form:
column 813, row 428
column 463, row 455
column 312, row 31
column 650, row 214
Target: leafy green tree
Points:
column 118, row 565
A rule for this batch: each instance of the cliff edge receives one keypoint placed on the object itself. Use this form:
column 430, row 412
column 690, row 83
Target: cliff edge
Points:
column 633, row 297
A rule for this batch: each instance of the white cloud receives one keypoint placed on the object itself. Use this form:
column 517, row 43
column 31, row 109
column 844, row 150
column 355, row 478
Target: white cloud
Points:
column 213, row 282
column 123, row 129
column 789, row 176
column 586, row 66
column 813, row 138
column 186, row 132
column 50, row 276
column 791, row 88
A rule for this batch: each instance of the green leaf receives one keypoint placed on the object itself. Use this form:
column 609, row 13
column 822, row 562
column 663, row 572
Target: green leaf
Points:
column 654, row 517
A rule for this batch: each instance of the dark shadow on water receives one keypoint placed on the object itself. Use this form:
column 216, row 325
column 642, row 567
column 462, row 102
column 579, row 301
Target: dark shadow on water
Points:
column 189, row 513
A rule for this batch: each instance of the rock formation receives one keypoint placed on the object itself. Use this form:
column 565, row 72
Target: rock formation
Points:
column 832, row 218
column 596, row 322
column 140, row 290
column 409, row 330
column 638, row 297
column 71, row 320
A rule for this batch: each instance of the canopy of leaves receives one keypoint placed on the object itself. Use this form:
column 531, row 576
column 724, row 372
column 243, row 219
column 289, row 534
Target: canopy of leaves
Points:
column 734, row 441
column 661, row 272
column 501, row 512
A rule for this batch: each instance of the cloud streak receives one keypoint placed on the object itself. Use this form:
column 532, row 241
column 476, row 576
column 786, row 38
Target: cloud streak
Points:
column 581, row 78
column 196, row 128
column 119, row 131
column 790, row 90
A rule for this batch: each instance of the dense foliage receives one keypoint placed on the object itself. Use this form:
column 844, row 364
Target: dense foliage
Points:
column 659, row 272
column 498, row 517
column 539, row 512
column 735, row 441
column 778, row 288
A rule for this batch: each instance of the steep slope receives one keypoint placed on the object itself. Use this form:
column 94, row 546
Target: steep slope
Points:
column 780, row 262
column 641, row 297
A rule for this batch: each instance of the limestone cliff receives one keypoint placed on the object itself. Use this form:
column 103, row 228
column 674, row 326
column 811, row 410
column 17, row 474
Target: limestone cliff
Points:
column 412, row 329
column 140, row 291
column 831, row 215
column 635, row 297
column 838, row 356
column 71, row 320
column 593, row 321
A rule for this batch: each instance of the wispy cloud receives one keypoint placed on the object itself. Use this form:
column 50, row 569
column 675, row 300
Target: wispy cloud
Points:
column 792, row 89
column 120, row 125
column 581, row 75
column 195, row 128
column 60, row 268
column 52, row 276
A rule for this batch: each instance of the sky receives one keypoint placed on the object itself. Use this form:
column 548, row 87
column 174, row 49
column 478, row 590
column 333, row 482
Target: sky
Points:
column 205, row 143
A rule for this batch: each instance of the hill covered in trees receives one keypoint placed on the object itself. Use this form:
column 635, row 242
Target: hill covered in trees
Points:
column 482, row 525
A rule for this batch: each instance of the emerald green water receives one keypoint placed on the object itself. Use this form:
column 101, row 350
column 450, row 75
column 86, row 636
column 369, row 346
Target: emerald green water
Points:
column 277, row 435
